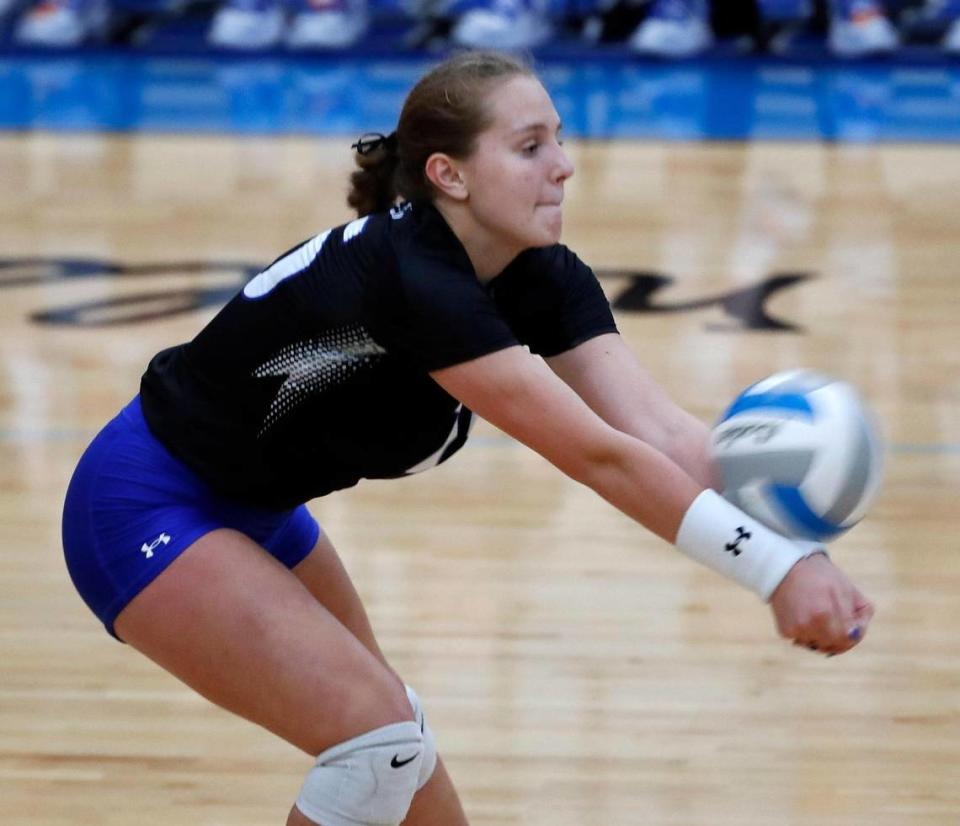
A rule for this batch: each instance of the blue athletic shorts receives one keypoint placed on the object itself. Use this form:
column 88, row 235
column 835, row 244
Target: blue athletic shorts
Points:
column 132, row 508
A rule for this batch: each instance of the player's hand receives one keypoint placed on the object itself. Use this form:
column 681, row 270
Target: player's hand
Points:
column 818, row 607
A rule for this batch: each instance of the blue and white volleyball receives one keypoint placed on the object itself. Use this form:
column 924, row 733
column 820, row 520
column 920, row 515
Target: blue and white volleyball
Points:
column 799, row 452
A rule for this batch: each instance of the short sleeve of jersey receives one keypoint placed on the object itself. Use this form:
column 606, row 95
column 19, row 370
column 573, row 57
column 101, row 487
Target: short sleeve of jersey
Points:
column 552, row 300
column 438, row 314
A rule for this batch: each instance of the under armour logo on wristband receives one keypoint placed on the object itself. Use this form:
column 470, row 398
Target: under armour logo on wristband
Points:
column 734, row 547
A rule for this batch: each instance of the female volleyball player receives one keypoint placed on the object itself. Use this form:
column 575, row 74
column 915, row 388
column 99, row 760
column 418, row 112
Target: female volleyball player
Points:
column 363, row 353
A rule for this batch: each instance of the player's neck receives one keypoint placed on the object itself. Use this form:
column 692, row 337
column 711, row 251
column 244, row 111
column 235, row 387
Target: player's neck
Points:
column 488, row 253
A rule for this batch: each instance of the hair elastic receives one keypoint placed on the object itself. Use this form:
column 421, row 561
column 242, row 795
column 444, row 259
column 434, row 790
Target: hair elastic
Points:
column 371, row 141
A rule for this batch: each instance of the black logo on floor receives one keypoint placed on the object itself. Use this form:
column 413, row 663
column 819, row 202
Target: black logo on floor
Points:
column 631, row 291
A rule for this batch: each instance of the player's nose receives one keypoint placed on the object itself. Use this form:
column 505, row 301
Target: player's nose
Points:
column 564, row 167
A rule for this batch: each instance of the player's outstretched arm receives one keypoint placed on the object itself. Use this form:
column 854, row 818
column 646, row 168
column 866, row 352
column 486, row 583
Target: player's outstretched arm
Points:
column 608, row 376
column 519, row 394
column 522, row 396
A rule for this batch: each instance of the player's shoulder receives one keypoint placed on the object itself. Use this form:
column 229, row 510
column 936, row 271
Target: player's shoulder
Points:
column 367, row 244
column 367, row 228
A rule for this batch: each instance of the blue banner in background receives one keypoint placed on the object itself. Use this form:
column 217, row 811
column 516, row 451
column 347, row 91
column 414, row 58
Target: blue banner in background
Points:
column 745, row 99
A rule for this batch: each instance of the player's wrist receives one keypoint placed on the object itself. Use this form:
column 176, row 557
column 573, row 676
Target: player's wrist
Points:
column 734, row 544
column 811, row 547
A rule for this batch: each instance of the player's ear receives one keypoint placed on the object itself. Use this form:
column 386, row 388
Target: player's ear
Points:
column 443, row 172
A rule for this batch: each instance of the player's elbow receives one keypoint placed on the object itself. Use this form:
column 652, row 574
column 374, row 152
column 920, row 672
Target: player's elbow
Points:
column 593, row 461
column 683, row 439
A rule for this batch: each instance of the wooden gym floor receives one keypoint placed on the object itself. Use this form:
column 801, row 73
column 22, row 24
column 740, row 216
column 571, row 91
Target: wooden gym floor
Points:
column 575, row 669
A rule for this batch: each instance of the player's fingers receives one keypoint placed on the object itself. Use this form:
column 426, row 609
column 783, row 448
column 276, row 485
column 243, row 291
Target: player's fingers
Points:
column 813, row 633
column 863, row 610
column 858, row 619
column 818, row 649
column 854, row 633
column 810, row 646
column 851, row 616
column 832, row 629
column 846, row 626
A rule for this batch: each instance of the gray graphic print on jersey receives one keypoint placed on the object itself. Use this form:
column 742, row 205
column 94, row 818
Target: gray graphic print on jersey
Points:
column 312, row 366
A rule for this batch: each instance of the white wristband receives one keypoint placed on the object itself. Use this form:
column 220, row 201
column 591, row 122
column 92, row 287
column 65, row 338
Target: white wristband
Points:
column 723, row 537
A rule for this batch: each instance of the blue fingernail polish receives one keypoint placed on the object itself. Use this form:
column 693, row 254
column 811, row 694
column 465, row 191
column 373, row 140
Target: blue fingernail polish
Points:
column 854, row 633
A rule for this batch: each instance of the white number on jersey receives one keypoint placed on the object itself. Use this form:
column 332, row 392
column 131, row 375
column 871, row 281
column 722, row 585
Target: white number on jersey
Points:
column 298, row 260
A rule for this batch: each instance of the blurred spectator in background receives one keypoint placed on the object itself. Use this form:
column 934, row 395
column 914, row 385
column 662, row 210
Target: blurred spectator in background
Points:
column 503, row 24
column 674, row 28
column 854, row 28
column 860, row 27
column 942, row 16
column 326, row 24
column 668, row 28
column 63, row 23
column 248, row 24
column 300, row 24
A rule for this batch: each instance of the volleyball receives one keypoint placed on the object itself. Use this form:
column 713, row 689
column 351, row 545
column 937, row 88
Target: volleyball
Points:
column 799, row 452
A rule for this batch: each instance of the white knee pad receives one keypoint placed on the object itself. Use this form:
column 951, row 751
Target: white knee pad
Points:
column 429, row 744
column 367, row 781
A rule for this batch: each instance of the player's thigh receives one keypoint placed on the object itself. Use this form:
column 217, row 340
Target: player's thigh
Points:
column 233, row 623
column 324, row 575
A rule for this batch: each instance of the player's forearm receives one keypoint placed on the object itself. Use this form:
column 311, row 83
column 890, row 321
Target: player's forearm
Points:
column 640, row 481
column 686, row 444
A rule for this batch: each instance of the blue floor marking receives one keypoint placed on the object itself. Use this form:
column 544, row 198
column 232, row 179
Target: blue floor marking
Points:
column 741, row 98
column 931, row 449
column 15, row 436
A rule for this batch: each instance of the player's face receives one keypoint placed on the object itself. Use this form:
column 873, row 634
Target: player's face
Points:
column 516, row 173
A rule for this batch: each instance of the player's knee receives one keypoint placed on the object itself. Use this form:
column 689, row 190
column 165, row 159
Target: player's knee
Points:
column 368, row 780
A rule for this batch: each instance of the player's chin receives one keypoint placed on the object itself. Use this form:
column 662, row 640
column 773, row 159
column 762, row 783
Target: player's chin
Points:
column 549, row 224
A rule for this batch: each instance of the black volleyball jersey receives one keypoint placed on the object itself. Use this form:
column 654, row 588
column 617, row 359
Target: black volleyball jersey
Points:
column 315, row 375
